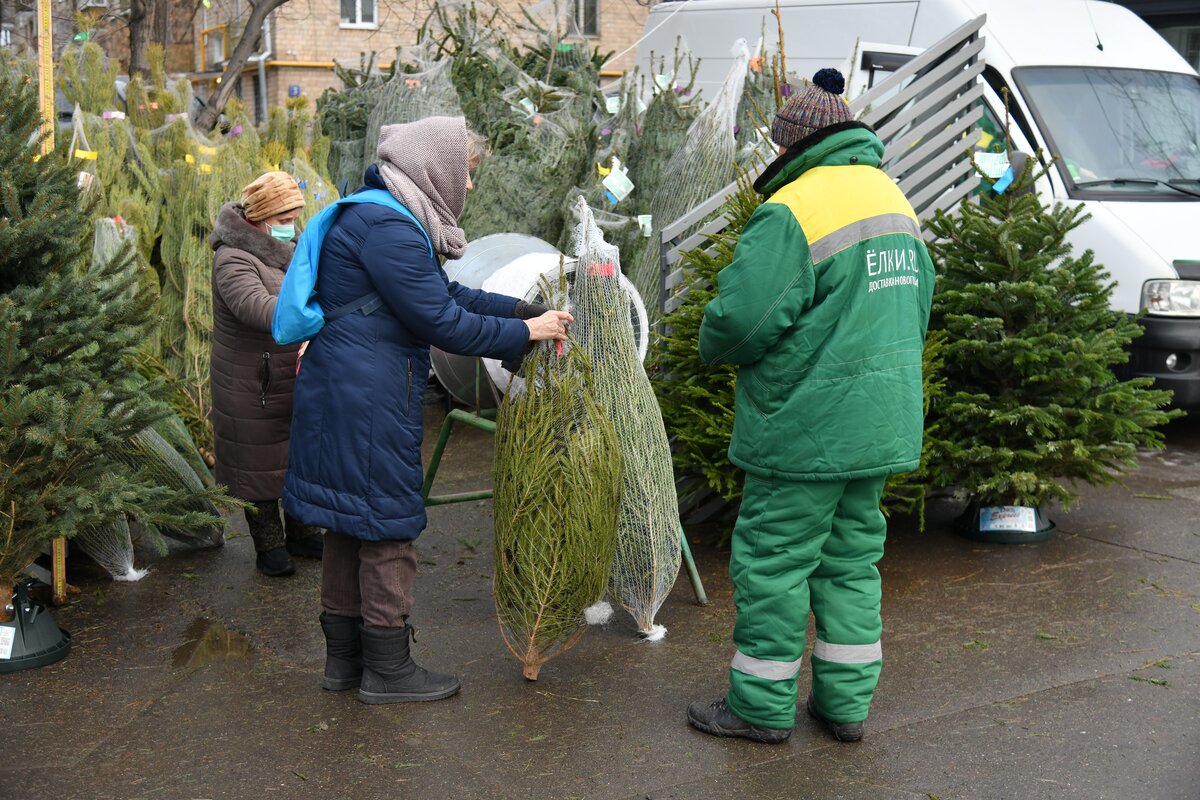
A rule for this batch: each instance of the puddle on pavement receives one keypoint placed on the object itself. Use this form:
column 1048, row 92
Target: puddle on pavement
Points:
column 209, row 642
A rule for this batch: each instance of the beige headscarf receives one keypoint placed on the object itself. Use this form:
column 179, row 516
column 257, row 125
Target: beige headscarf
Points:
column 424, row 165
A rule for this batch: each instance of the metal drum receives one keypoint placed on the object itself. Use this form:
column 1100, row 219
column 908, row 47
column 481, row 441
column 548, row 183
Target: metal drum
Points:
column 512, row 264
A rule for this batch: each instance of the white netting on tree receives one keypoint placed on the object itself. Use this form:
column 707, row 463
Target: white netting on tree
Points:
column 557, row 477
column 111, row 547
column 540, row 150
column 648, row 535
column 150, row 452
column 698, row 169
column 523, row 278
column 757, row 109
column 421, row 88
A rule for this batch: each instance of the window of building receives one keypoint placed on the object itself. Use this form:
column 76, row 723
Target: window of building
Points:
column 586, row 17
column 358, row 14
column 1185, row 39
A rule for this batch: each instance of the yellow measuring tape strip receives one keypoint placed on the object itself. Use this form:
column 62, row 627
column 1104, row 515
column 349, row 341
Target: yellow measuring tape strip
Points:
column 58, row 545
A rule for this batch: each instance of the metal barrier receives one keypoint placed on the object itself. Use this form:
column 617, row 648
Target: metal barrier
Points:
column 926, row 113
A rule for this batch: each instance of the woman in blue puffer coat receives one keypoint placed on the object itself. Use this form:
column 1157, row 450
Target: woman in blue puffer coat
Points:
column 355, row 456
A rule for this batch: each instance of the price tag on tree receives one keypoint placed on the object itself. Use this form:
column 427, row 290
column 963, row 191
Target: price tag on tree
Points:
column 8, row 635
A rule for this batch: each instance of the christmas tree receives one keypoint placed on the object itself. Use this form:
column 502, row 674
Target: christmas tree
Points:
column 557, row 475
column 71, row 403
column 1031, row 400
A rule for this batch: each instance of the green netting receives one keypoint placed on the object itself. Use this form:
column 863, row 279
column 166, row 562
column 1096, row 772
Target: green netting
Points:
column 557, row 477
column 647, row 556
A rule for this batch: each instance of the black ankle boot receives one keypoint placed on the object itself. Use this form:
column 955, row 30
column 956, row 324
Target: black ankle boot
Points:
column 391, row 676
column 343, row 652
column 303, row 541
column 275, row 563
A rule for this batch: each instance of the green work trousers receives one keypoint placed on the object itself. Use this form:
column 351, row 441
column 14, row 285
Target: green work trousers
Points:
column 799, row 545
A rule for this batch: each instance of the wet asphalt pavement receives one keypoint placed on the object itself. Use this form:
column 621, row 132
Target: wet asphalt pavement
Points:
column 1069, row 669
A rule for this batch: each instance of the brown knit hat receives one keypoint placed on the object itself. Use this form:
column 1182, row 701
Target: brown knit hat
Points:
column 270, row 195
column 817, row 106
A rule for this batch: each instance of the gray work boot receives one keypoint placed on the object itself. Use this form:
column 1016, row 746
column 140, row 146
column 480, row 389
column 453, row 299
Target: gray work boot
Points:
column 391, row 676
column 343, row 652
column 716, row 719
column 842, row 731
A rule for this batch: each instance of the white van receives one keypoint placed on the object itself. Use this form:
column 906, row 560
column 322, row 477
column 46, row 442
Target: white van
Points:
column 1088, row 81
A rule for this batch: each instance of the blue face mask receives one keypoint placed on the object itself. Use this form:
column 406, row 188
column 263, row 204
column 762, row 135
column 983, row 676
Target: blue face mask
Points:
column 284, row 233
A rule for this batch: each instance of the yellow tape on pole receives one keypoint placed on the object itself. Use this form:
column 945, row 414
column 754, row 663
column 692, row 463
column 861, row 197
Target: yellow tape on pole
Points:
column 46, row 73
column 58, row 546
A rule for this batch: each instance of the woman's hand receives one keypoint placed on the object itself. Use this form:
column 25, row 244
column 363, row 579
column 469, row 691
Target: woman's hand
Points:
column 549, row 326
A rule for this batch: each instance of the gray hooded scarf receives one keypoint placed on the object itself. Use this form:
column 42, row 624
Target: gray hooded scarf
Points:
column 424, row 165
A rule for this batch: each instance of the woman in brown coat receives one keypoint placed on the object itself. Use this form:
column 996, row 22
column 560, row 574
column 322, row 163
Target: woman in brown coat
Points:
column 252, row 376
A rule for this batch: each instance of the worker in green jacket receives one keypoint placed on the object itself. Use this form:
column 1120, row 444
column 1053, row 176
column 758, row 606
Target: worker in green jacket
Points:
column 824, row 309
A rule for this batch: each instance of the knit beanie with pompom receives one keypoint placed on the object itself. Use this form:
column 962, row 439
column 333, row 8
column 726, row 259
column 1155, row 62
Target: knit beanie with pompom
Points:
column 818, row 106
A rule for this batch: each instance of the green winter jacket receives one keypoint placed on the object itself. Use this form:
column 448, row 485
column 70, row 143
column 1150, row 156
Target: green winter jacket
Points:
column 825, row 307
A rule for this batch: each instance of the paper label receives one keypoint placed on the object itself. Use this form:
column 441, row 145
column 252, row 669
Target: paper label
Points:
column 86, row 155
column 113, row 115
column 1004, row 182
column 205, row 169
column 646, row 223
column 412, row 83
column 1008, row 518
column 618, row 184
column 665, row 82
column 189, row 158
column 994, row 165
column 207, row 151
column 8, row 635
column 613, row 104
column 527, row 106
column 641, row 106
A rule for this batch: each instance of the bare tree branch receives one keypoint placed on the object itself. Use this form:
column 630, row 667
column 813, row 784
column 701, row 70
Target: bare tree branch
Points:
column 207, row 120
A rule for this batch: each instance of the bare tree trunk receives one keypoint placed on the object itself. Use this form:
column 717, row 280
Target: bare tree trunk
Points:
column 162, row 23
column 207, row 120
column 138, row 64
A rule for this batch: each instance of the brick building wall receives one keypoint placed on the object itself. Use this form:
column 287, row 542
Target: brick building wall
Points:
column 308, row 35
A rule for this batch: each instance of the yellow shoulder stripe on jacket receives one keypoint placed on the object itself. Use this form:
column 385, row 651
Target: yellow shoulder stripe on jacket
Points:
column 838, row 207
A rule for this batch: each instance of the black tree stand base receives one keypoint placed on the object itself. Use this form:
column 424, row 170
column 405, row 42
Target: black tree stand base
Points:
column 36, row 640
column 970, row 525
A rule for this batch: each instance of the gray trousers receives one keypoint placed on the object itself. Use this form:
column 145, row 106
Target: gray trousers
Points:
column 372, row 580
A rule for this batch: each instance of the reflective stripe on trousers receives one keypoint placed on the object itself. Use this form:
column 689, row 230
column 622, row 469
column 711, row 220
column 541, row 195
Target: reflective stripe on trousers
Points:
column 847, row 653
column 762, row 668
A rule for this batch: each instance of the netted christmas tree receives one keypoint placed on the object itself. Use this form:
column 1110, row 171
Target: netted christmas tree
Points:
column 704, row 164
column 557, row 477
column 1031, row 400
column 647, row 557
column 420, row 88
column 70, row 402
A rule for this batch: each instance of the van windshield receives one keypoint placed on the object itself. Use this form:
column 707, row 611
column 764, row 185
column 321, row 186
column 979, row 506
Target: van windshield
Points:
column 1119, row 132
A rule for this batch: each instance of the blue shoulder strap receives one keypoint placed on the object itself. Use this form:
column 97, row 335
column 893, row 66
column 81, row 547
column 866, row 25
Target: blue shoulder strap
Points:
column 298, row 315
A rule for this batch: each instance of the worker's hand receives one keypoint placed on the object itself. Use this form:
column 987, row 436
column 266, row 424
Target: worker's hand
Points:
column 549, row 326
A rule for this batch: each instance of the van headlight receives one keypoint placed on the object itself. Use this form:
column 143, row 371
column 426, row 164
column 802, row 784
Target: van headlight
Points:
column 1172, row 298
